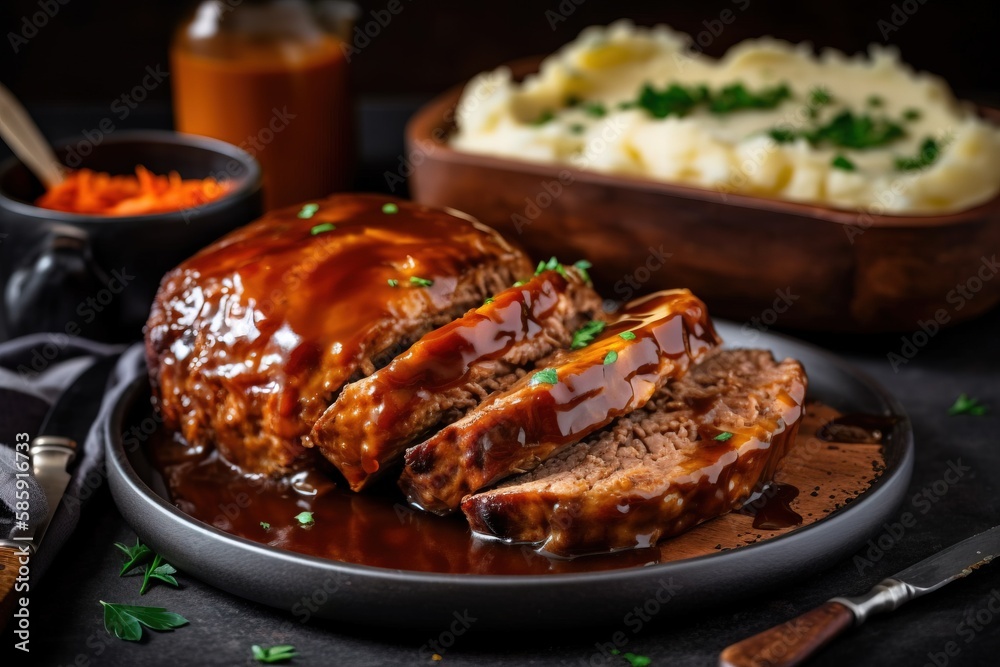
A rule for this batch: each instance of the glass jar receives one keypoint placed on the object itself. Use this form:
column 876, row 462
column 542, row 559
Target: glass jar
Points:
column 272, row 78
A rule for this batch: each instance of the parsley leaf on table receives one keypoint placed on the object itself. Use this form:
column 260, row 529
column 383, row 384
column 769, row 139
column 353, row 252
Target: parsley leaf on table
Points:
column 638, row 660
column 966, row 405
column 158, row 570
column 126, row 621
column 273, row 654
column 133, row 555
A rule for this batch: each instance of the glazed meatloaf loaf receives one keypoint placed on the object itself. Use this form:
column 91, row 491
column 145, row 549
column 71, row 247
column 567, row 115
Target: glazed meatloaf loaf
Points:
column 699, row 449
column 250, row 340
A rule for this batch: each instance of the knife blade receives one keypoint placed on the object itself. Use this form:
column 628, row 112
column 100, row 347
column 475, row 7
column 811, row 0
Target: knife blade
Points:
column 794, row 641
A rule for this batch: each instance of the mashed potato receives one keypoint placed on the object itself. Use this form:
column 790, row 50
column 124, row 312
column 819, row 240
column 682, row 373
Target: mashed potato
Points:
column 769, row 118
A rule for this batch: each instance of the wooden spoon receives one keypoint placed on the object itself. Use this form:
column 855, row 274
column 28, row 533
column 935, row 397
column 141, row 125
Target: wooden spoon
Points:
column 27, row 142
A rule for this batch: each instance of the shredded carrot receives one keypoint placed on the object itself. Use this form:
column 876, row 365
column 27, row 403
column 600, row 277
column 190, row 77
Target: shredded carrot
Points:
column 91, row 192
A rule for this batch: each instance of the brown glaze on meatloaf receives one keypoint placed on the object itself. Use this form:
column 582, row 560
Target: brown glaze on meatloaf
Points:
column 451, row 370
column 580, row 392
column 249, row 340
column 660, row 470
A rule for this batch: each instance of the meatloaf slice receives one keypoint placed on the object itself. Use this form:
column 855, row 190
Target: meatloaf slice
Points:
column 660, row 470
column 250, row 340
column 451, row 370
column 583, row 390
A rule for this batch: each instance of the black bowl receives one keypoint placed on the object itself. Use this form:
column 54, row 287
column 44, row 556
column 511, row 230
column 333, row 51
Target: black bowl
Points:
column 95, row 276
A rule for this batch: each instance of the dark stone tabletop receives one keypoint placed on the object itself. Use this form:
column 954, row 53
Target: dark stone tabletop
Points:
column 958, row 625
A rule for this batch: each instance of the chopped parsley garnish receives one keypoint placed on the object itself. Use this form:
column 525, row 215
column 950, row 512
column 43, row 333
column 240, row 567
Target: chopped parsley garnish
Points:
column 841, row 162
column 265, row 525
column 551, row 265
column 273, row 654
column 722, row 437
column 966, row 405
column 160, row 570
column 488, row 301
column 390, row 208
column 586, row 334
column 582, row 266
column 577, row 128
column 638, row 660
column 125, row 621
column 634, row 659
column 305, row 518
column 157, row 569
column 627, row 335
column 736, row 97
column 595, row 109
column 929, row 151
column 674, row 100
column 545, row 376
column 572, row 101
column 545, row 117
column 875, row 101
column 782, row 136
column 133, row 555
column 308, row 211
column 856, row 131
column 820, row 96
column 392, row 282
column 325, row 227
column 846, row 130
column 911, row 115
column 610, row 358
column 420, row 282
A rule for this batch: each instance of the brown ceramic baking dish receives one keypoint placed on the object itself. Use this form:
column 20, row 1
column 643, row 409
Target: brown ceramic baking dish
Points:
column 788, row 264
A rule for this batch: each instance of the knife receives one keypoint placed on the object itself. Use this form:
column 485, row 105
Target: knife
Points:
column 794, row 641
column 52, row 452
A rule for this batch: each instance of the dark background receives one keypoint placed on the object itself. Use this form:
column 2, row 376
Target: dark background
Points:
column 93, row 50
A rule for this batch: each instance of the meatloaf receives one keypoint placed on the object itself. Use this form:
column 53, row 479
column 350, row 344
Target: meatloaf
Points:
column 250, row 340
column 451, row 370
column 581, row 391
column 699, row 449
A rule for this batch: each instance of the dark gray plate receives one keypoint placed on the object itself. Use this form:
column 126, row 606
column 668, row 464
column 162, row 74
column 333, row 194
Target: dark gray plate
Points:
column 358, row 593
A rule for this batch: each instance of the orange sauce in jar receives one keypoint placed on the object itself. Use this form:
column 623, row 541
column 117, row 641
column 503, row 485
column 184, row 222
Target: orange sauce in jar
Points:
column 268, row 78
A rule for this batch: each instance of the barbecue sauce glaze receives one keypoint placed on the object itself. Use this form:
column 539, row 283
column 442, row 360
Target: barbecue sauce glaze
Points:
column 367, row 428
column 669, row 331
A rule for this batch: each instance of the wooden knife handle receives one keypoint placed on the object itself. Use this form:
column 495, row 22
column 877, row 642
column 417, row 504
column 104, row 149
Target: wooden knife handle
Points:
column 9, row 565
column 792, row 642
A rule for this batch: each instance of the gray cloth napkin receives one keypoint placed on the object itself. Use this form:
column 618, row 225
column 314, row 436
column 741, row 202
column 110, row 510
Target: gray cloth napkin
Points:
column 34, row 370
